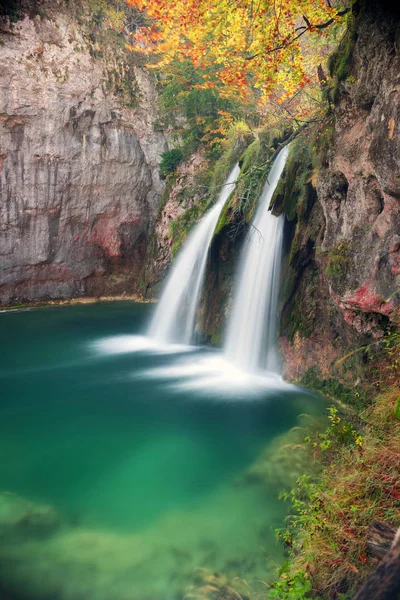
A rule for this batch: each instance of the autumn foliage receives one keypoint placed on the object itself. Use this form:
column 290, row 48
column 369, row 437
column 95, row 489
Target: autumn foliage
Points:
column 240, row 45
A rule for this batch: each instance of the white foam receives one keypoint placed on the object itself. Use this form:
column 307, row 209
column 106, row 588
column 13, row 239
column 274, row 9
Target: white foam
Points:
column 210, row 374
column 124, row 344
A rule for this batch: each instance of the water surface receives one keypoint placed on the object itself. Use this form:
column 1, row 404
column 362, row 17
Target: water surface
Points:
column 120, row 478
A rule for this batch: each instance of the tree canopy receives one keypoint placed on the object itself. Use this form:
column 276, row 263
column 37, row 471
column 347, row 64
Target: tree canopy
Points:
column 239, row 45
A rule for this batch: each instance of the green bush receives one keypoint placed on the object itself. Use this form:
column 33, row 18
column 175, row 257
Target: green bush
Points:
column 170, row 161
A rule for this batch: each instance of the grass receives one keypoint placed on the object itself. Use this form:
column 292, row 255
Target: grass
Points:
column 326, row 532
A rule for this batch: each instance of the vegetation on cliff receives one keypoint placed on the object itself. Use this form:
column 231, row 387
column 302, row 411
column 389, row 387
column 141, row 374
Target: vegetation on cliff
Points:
column 327, row 529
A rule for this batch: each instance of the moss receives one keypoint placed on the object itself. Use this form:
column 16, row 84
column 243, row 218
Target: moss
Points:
column 321, row 142
column 293, row 191
column 300, row 312
column 397, row 409
column 354, row 396
column 255, row 164
column 338, row 260
column 223, row 219
column 339, row 62
column 339, row 65
column 296, row 322
column 179, row 228
column 216, row 338
column 249, row 157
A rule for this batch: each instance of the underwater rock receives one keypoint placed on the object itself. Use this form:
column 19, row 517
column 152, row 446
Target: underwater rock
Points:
column 21, row 517
column 282, row 462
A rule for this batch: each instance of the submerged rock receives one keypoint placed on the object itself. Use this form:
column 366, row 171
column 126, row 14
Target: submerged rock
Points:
column 21, row 517
column 282, row 462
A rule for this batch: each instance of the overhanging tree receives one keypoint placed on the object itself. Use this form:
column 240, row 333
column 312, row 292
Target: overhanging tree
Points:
column 250, row 44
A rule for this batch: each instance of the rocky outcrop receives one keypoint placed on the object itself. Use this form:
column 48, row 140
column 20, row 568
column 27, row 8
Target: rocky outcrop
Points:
column 346, row 252
column 79, row 183
column 360, row 189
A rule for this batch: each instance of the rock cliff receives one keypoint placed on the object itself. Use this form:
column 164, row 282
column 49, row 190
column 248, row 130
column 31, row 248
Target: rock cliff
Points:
column 347, row 249
column 79, row 183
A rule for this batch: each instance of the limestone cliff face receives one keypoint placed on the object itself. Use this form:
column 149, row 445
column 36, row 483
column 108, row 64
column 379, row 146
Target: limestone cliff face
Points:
column 79, row 183
column 360, row 189
column 348, row 249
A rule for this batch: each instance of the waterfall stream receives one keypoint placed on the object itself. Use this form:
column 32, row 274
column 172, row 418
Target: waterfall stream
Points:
column 174, row 318
column 249, row 362
column 251, row 333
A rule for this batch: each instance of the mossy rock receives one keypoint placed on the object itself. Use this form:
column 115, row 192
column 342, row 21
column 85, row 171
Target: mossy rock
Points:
column 250, row 155
column 339, row 62
column 354, row 396
column 256, row 162
column 19, row 516
column 294, row 192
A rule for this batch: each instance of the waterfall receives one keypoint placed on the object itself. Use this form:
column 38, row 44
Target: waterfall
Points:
column 251, row 332
column 249, row 364
column 174, row 318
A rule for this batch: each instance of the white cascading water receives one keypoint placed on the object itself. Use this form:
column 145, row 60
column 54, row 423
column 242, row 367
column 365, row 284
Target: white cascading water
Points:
column 251, row 333
column 174, row 318
column 249, row 366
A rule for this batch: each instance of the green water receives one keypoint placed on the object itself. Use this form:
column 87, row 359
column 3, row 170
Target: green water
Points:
column 118, row 484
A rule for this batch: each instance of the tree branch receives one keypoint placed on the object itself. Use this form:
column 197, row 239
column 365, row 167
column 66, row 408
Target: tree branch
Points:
column 303, row 29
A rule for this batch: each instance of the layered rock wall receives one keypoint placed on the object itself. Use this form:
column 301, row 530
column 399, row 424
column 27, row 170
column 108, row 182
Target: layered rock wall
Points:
column 79, row 183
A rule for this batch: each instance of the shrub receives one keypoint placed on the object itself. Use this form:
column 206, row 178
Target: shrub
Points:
column 326, row 530
column 170, row 161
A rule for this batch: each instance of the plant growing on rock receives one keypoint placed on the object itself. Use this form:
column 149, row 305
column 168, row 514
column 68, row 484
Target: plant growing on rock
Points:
column 170, row 161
